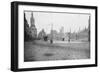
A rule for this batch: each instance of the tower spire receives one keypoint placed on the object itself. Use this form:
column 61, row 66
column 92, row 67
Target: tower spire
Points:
column 32, row 20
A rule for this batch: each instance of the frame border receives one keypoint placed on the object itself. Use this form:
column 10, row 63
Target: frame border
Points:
column 14, row 35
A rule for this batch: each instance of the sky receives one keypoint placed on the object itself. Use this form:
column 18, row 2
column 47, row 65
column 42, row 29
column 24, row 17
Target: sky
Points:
column 70, row 21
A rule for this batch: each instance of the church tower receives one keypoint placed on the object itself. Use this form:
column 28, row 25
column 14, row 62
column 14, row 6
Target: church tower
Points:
column 32, row 21
column 33, row 29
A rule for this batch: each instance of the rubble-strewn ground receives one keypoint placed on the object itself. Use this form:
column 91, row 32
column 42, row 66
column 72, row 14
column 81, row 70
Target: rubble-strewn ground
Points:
column 60, row 50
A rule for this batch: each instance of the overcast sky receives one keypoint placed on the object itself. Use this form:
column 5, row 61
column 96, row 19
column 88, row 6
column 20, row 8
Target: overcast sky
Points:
column 44, row 20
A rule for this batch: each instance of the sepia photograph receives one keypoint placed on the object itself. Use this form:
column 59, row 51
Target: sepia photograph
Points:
column 56, row 36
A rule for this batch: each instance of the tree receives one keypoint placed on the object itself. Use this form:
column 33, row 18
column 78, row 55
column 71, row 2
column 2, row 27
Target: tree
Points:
column 26, row 30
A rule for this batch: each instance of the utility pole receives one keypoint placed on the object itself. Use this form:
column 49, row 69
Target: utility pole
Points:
column 76, row 36
column 69, row 33
column 51, row 40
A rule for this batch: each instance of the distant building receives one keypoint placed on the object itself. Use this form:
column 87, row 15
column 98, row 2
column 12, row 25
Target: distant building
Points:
column 41, row 34
column 53, row 35
column 57, row 35
column 81, row 35
column 61, row 33
column 84, row 34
